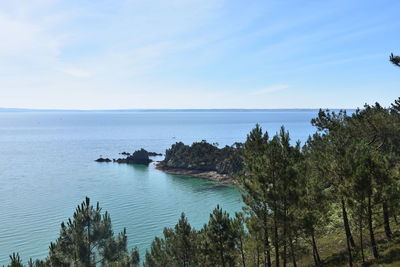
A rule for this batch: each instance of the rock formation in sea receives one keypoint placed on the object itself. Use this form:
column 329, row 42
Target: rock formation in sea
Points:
column 204, row 160
column 138, row 157
column 103, row 160
column 154, row 154
column 151, row 154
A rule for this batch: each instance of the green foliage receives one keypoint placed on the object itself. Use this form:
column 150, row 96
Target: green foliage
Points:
column 218, row 244
column 205, row 157
column 87, row 239
column 395, row 59
column 15, row 260
column 271, row 189
column 178, row 247
column 38, row 263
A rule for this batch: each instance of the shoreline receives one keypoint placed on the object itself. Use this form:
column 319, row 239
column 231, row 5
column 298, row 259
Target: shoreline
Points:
column 223, row 179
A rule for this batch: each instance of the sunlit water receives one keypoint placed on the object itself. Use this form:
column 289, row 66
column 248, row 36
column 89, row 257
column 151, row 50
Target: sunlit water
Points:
column 47, row 167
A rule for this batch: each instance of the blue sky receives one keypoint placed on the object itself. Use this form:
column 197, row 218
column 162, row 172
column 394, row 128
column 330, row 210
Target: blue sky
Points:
column 109, row 54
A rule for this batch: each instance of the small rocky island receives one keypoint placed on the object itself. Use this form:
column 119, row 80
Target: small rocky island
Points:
column 203, row 160
column 138, row 157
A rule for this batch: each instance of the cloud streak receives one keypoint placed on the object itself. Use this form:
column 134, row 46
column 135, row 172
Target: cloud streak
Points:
column 130, row 53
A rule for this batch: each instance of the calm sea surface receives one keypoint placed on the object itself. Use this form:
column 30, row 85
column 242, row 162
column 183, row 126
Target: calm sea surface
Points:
column 47, row 167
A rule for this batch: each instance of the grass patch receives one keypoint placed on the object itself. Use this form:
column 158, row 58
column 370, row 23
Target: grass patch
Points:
column 333, row 250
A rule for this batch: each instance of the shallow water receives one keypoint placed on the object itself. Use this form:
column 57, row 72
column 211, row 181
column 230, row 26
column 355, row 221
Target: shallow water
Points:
column 47, row 168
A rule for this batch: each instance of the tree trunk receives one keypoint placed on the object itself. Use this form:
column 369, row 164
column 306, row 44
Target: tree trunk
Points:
column 242, row 252
column 349, row 252
column 221, row 254
column 371, row 230
column 293, row 255
column 317, row 259
column 88, row 263
column 346, row 225
column 284, row 253
column 361, row 238
column 388, row 231
column 349, row 238
column 267, row 254
column 276, row 241
column 393, row 213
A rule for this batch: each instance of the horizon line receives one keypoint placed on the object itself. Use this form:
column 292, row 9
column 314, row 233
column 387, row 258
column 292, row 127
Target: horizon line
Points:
column 165, row 109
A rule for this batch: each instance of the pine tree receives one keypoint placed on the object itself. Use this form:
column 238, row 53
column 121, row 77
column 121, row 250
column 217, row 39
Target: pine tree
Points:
column 270, row 190
column 88, row 239
column 313, row 210
column 331, row 155
column 255, row 189
column 15, row 260
column 134, row 258
column 219, row 240
column 238, row 224
column 379, row 128
column 181, row 243
column 157, row 256
column 363, row 184
column 177, row 248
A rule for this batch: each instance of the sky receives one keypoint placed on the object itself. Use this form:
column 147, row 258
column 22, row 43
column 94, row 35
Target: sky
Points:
column 183, row 54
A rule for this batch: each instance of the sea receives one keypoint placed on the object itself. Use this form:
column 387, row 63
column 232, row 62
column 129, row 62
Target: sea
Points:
column 47, row 168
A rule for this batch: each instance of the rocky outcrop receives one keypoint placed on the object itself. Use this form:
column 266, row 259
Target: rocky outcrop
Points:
column 103, row 160
column 224, row 179
column 203, row 156
column 204, row 160
column 138, row 157
column 151, row 154
column 154, row 154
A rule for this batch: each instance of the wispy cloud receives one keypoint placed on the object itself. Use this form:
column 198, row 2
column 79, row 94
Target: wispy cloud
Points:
column 135, row 53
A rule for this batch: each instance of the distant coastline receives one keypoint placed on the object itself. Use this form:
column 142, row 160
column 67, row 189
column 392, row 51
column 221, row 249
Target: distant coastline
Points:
column 170, row 110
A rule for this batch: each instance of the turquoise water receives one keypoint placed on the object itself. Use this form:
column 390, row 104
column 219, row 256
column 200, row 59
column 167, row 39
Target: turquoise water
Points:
column 47, row 167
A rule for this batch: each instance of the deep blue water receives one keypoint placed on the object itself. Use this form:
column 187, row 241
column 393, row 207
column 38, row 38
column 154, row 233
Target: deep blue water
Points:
column 47, row 168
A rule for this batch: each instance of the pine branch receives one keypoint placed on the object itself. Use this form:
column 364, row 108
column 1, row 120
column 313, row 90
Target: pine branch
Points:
column 395, row 60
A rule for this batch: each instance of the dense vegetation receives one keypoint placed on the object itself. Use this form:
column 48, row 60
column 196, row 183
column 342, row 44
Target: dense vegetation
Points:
column 204, row 156
column 346, row 174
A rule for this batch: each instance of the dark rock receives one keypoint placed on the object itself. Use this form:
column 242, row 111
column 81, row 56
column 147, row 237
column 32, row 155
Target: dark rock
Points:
column 153, row 154
column 138, row 157
column 125, row 153
column 103, row 160
column 204, row 157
